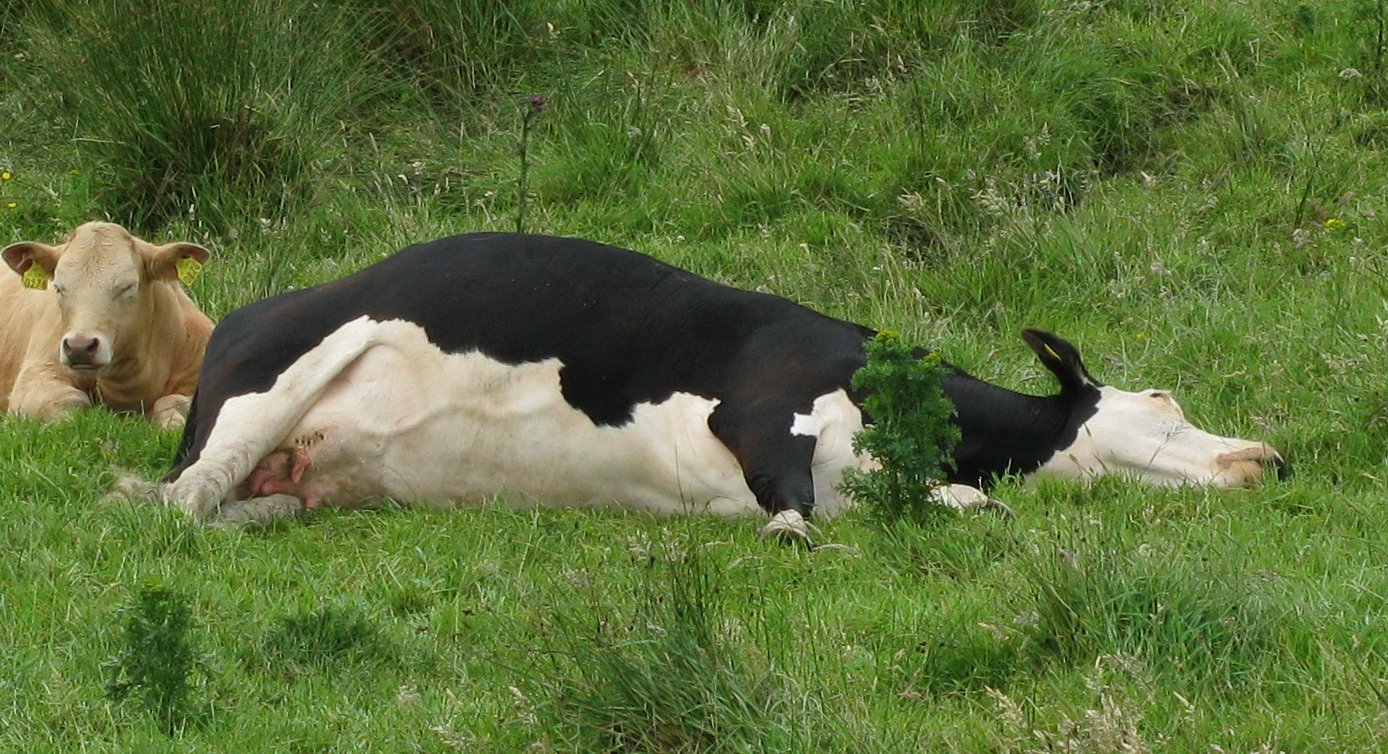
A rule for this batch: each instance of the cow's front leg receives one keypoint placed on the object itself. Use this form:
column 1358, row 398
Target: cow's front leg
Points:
column 777, row 468
column 170, row 412
column 784, row 487
column 41, row 392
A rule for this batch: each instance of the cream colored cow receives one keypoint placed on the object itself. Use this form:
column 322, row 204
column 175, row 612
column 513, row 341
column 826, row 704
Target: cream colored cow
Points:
column 100, row 319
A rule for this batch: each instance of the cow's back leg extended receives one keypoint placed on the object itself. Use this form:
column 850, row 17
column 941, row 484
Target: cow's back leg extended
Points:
column 251, row 426
column 256, row 511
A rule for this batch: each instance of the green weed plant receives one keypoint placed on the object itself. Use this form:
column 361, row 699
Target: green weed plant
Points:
column 909, row 434
column 159, row 662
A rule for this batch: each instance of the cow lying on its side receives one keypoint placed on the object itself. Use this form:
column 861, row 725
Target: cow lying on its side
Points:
column 564, row 372
column 103, row 320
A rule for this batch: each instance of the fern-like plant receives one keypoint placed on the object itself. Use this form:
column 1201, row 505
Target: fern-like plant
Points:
column 909, row 434
column 158, row 659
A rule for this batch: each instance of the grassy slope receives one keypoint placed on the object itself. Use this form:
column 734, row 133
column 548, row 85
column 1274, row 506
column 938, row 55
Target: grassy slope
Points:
column 1190, row 191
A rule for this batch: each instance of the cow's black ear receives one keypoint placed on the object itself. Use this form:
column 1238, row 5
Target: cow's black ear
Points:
column 1062, row 359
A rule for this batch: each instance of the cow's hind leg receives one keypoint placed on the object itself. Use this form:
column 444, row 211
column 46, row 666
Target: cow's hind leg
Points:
column 249, row 427
column 256, row 511
column 962, row 497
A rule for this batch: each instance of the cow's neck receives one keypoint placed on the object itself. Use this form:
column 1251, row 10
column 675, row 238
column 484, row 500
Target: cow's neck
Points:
column 1003, row 431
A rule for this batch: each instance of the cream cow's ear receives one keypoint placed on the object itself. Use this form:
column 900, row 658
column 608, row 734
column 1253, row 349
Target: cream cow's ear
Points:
column 24, row 256
column 180, row 260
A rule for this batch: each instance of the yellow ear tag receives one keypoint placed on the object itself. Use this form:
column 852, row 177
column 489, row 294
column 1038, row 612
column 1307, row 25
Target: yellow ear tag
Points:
column 1050, row 351
column 35, row 278
column 188, row 269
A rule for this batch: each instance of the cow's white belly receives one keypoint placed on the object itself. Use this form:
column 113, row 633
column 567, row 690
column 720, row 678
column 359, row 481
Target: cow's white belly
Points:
column 406, row 421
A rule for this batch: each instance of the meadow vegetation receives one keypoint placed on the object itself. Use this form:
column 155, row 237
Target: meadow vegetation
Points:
column 1190, row 191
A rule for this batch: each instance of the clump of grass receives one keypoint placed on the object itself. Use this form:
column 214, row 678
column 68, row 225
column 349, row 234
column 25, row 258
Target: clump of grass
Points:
column 1111, row 721
column 451, row 51
column 323, row 639
column 1189, row 618
column 910, row 434
column 964, row 551
column 965, row 657
column 159, row 660
column 609, row 146
column 12, row 16
column 666, row 675
column 213, row 116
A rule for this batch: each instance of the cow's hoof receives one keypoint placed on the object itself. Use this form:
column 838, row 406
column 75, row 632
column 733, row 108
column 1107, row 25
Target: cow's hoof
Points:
column 994, row 504
column 130, row 487
column 168, row 421
column 256, row 511
column 962, row 497
column 788, row 526
column 170, row 412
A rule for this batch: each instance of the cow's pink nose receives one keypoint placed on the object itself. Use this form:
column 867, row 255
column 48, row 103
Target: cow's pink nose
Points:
column 79, row 350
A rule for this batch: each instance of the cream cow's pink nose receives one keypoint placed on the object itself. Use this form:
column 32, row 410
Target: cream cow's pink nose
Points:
column 80, row 349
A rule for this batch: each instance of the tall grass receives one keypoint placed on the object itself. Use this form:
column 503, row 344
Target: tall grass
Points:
column 1207, row 623
column 668, row 669
column 183, row 113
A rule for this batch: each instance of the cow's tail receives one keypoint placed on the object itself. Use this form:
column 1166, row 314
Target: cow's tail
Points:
column 185, row 444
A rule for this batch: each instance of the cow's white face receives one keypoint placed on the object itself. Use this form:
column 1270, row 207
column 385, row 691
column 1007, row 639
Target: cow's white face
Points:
column 101, row 280
column 1145, row 435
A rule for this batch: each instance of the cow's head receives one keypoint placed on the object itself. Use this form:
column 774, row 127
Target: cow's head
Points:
column 1142, row 434
column 103, row 279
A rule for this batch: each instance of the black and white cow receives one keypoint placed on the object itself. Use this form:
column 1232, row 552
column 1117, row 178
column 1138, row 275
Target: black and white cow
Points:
column 564, row 372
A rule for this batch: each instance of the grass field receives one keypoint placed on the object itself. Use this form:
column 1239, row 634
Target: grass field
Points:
column 1189, row 191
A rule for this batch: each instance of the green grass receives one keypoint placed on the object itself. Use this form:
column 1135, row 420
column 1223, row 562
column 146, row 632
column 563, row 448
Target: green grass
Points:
column 1192, row 192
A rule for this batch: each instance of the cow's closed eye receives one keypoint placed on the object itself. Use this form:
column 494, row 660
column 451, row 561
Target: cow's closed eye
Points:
column 1165, row 402
column 126, row 291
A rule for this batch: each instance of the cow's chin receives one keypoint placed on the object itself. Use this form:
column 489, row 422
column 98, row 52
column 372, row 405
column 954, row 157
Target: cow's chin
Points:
column 86, row 370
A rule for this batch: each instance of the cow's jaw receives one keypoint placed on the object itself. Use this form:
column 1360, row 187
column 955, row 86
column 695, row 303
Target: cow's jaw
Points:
column 1145, row 435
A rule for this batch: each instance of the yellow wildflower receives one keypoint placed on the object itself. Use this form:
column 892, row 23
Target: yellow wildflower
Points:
column 1334, row 223
column 5, row 175
column 11, row 205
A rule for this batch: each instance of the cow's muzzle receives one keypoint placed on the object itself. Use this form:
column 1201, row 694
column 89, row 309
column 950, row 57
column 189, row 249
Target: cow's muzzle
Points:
column 1251, row 464
column 82, row 353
